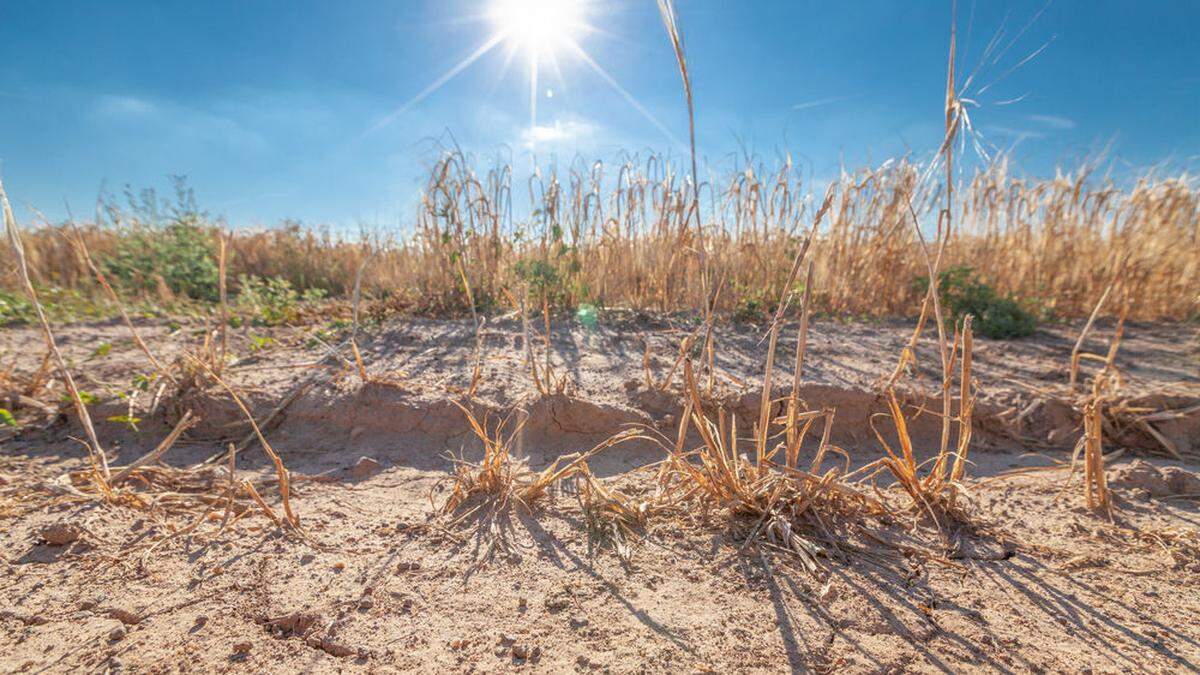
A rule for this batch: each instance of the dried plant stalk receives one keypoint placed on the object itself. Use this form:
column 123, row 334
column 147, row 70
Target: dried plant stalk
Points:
column 281, row 471
column 81, row 246
column 1087, row 327
column 223, row 293
column 18, row 248
column 185, row 422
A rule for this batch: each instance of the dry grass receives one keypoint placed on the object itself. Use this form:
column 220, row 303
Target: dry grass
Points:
column 619, row 237
column 503, row 479
column 163, row 493
column 791, row 508
column 17, row 248
column 1103, row 391
column 486, row 492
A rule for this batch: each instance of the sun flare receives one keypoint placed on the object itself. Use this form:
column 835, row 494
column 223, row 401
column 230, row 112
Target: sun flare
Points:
column 546, row 33
column 538, row 25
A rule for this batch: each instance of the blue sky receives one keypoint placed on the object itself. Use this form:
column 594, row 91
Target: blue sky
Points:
column 273, row 109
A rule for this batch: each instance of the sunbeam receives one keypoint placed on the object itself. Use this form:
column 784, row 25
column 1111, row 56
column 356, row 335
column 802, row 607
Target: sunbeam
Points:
column 533, row 86
column 474, row 56
column 612, row 82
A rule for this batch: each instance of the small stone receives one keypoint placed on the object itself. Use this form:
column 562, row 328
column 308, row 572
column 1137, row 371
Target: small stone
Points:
column 1181, row 481
column 522, row 603
column 521, row 652
column 243, row 647
column 116, row 634
column 366, row 603
column 202, row 619
column 339, row 566
column 828, row 593
column 126, row 616
column 365, row 467
column 579, row 621
column 60, row 534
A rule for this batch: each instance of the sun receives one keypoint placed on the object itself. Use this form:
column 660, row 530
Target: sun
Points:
column 544, row 32
column 538, row 26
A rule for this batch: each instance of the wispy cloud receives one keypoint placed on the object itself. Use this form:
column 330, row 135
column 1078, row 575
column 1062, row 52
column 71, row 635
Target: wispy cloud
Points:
column 173, row 124
column 114, row 106
column 817, row 103
column 1052, row 122
column 1016, row 135
column 562, row 131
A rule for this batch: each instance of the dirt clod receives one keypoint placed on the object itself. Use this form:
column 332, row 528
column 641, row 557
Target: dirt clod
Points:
column 126, row 616
column 1181, row 481
column 296, row 623
column 1142, row 475
column 524, row 652
column 330, row 647
column 365, row 467
column 60, row 534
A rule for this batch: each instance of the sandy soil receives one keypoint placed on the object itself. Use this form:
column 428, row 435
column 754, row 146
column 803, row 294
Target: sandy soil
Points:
column 1036, row 582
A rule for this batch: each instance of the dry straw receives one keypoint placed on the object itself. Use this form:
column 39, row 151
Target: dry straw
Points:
column 96, row 452
column 610, row 235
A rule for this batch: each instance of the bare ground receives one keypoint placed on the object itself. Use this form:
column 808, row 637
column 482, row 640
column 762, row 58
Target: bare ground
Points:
column 1034, row 582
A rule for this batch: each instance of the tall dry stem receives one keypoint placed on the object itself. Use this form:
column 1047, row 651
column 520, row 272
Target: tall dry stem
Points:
column 99, row 460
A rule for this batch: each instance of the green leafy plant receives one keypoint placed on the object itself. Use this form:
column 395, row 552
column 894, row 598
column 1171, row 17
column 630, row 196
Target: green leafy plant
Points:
column 997, row 317
column 752, row 305
column 163, row 242
column 87, row 397
column 272, row 301
column 181, row 253
column 128, row 420
column 313, row 294
column 260, row 342
column 15, row 308
column 7, row 419
column 543, row 280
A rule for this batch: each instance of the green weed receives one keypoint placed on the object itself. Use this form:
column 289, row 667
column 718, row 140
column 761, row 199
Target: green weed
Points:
column 997, row 317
